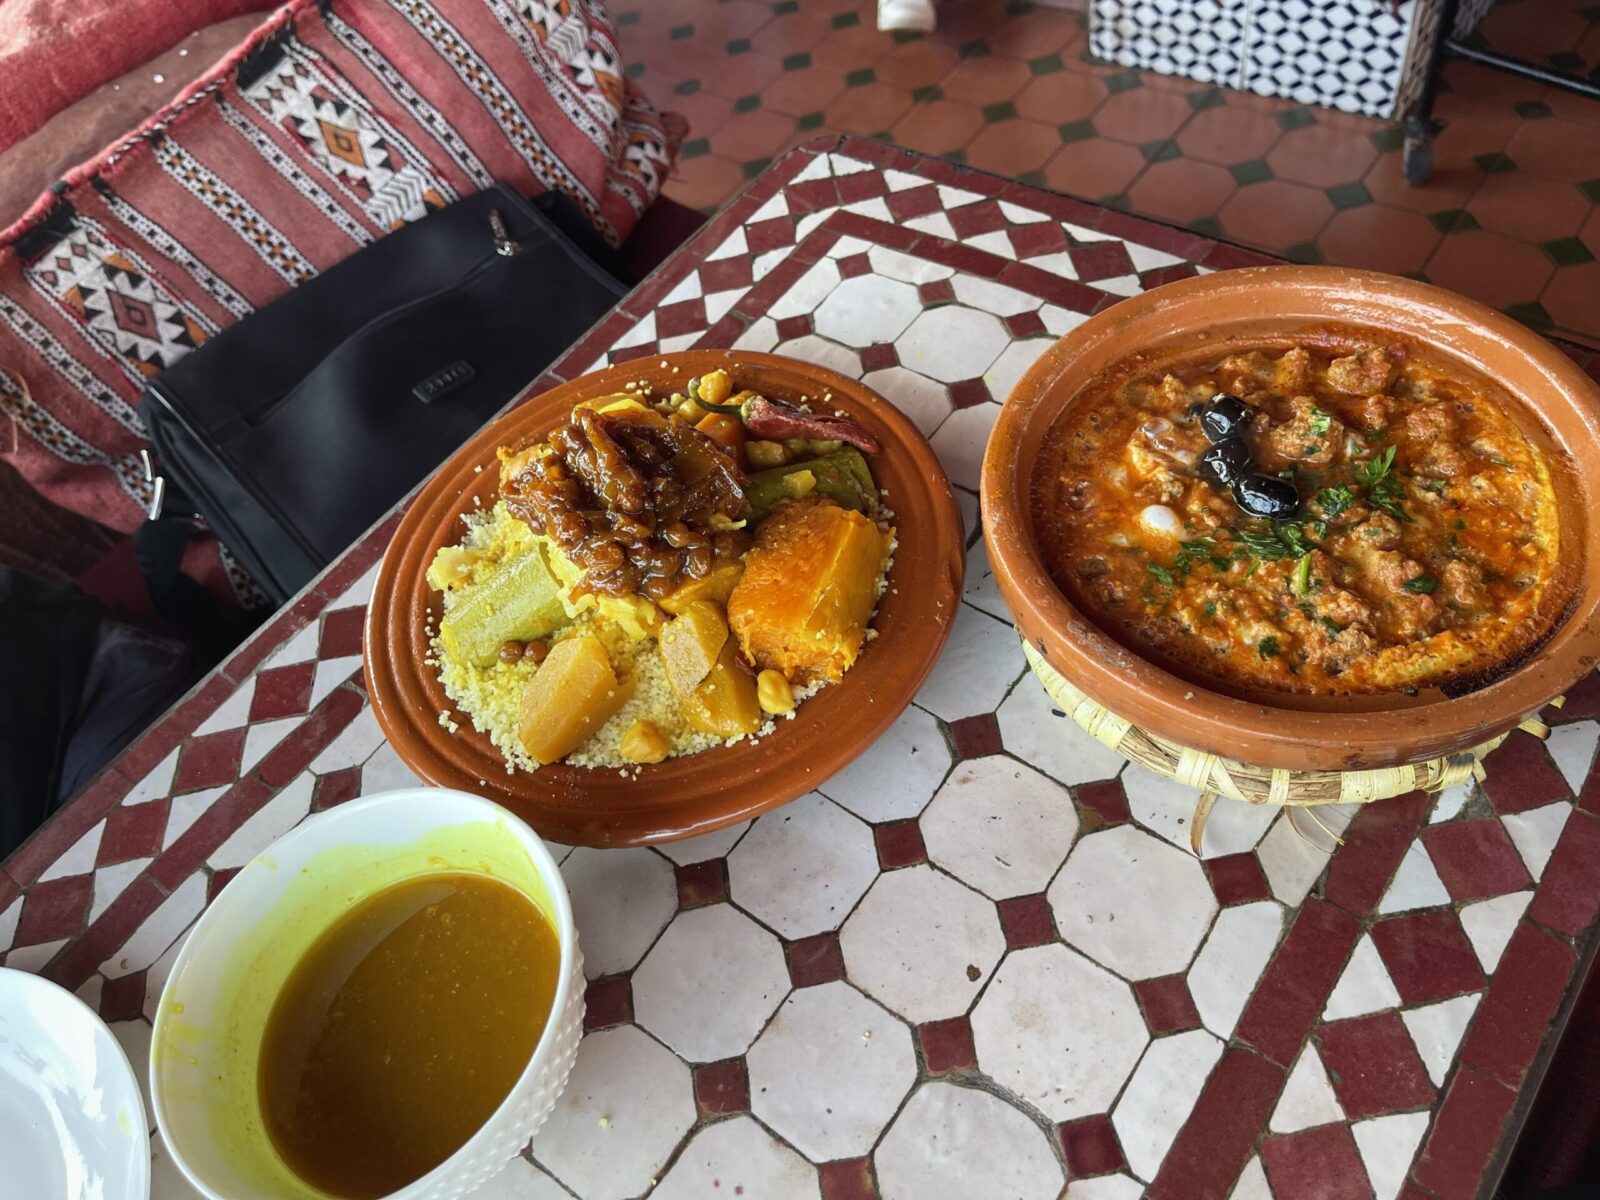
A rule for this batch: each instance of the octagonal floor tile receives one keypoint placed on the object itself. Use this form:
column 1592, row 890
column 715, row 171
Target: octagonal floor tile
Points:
column 1161, row 1095
column 1032, row 727
column 922, row 944
column 520, row 1180
column 813, row 349
column 960, row 442
column 1014, row 360
column 621, row 901
column 952, row 343
column 897, row 777
column 704, row 846
column 710, row 983
column 738, row 1158
column 1230, row 964
column 954, row 1143
column 1167, row 808
column 867, row 309
column 802, row 867
column 830, row 1071
column 807, row 292
column 980, row 662
column 1108, row 1187
column 1133, row 903
column 1059, row 1031
column 1000, row 826
column 927, row 403
column 627, row 1104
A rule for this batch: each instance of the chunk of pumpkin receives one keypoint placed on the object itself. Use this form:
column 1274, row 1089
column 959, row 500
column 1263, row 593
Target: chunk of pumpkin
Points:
column 717, row 586
column 724, row 703
column 808, row 589
column 691, row 642
column 573, row 693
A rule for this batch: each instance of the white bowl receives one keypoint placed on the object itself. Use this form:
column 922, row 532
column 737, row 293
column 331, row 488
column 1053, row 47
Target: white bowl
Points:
column 208, row 1030
column 72, row 1125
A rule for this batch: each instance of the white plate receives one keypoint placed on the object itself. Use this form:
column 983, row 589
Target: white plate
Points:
column 72, row 1123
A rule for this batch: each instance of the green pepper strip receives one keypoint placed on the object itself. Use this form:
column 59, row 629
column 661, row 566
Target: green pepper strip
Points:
column 732, row 410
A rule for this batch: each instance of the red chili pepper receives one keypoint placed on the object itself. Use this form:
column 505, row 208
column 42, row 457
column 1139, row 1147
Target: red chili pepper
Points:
column 775, row 420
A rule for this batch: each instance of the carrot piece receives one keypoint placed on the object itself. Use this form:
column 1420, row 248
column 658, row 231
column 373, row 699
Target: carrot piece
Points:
column 727, row 431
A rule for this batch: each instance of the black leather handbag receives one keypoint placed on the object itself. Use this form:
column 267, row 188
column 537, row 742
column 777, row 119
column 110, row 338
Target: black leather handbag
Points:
column 293, row 431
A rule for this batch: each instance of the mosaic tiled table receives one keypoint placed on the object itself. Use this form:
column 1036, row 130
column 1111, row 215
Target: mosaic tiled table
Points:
column 981, row 962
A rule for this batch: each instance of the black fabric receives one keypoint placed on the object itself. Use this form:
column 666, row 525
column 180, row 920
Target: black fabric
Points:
column 297, row 428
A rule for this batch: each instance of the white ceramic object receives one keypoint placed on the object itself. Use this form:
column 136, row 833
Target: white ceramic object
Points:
column 203, row 1057
column 72, row 1124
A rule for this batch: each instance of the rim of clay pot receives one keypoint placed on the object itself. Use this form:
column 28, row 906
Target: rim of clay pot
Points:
column 1559, row 410
column 695, row 793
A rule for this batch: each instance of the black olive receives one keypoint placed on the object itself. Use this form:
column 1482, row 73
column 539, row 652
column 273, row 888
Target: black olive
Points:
column 1225, row 417
column 1264, row 496
column 1226, row 461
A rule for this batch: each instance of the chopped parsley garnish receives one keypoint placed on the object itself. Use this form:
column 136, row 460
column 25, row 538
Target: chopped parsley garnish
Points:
column 1376, row 468
column 1436, row 486
column 1311, row 448
column 1333, row 501
column 1267, row 647
column 1302, row 575
column 1264, row 547
column 1384, row 491
column 1422, row 585
column 1295, row 539
column 1333, row 627
column 1210, row 608
column 1321, row 422
column 1162, row 574
column 1498, row 461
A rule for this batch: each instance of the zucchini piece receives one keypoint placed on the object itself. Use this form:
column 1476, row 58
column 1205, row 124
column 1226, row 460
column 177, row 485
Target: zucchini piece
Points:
column 519, row 602
column 842, row 476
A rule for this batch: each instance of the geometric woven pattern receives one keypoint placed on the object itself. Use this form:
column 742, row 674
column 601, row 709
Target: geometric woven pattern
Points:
column 987, row 935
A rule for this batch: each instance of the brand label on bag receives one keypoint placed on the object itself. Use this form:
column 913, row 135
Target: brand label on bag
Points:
column 444, row 381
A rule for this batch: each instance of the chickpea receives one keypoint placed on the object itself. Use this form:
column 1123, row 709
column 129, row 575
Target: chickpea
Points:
column 774, row 693
column 535, row 651
column 643, row 743
column 511, row 652
column 715, row 386
column 766, row 454
column 692, row 412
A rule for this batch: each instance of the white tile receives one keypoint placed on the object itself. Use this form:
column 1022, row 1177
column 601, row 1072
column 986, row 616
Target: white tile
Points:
column 680, row 341
column 806, row 225
column 621, row 901
column 302, row 647
column 709, row 984
column 1252, row 1184
column 806, row 292
column 1057, row 262
column 1080, row 233
column 1291, row 862
column 1437, row 1030
column 866, row 310
column 626, row 1106
column 830, row 1071
column 264, row 736
column 980, row 662
column 91, row 990
column 1014, row 360
column 1230, row 963
column 719, row 303
column 1146, row 259
column 935, row 223
column 978, row 587
column 1449, row 803
column 155, row 979
column 9, row 916
column 952, row 343
column 1363, row 987
column 1489, row 925
column 1033, row 728
column 761, row 265
column 186, row 810
column 159, row 930
column 845, row 165
column 994, row 242
column 78, row 858
column 1167, row 808
column 156, row 784
column 900, row 181
column 521, row 1180
column 707, row 845
column 1058, row 321
column 848, row 247
column 1017, row 215
column 961, row 440
column 134, row 1038
column 687, row 288
column 1534, row 833
column 1058, row 1031
column 330, row 673
column 954, row 197
column 1387, row 1146
column 818, row 168
column 231, row 713
column 110, row 882
column 823, row 353
column 33, row 958
column 167, row 1182
column 266, row 825
column 906, row 267
column 359, row 592
column 897, row 777
column 1160, row 1095
column 922, row 944
column 1106, row 1187
column 738, row 1158
column 967, row 502
column 776, row 206
column 1000, row 826
column 761, row 336
column 1307, row 1099
column 1416, row 883
column 991, row 297
column 1133, row 903
column 731, row 246
column 954, row 1143
column 384, row 772
column 802, row 867
column 1572, row 747
column 927, row 403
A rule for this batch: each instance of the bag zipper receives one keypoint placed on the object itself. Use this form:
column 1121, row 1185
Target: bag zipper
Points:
column 503, row 242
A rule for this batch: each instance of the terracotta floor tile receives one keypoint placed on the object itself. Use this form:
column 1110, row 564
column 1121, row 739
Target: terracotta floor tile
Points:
column 858, row 45
column 1572, row 298
column 1181, row 190
column 1322, row 155
column 1490, row 267
column 1035, row 34
column 704, row 182
column 1560, row 149
column 809, row 89
column 1013, row 147
column 1093, row 168
column 938, row 127
column 1446, row 188
column 752, row 135
column 718, row 24
column 1530, row 207
column 1266, row 104
column 1230, row 133
column 869, row 109
column 1572, row 108
column 793, row 33
column 1513, row 30
column 739, row 74
column 987, row 79
column 1383, row 239
column 1472, row 127
column 1589, row 233
column 1275, row 214
column 921, row 63
column 705, row 111
column 1483, row 83
column 971, row 20
column 1061, row 97
column 1141, row 115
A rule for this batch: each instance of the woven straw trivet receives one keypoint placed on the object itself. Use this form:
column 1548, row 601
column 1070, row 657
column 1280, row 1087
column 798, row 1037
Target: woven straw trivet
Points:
column 1214, row 776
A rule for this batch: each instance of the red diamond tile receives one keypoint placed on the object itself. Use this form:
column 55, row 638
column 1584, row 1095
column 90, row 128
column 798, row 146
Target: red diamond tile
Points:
column 1475, row 859
column 1569, row 893
column 913, row 202
column 862, row 185
column 210, row 760
column 57, row 835
column 971, row 220
column 725, row 274
column 940, row 291
column 790, row 328
column 630, row 353
column 1168, row 1005
column 1375, row 842
column 1027, row 921
column 702, row 883
column 1428, row 956
column 722, row 1087
column 977, row 736
column 54, row 909
column 292, row 755
column 769, row 235
column 1237, row 879
column 815, row 960
column 122, row 999
column 1025, row 325
column 1090, row 1146
column 1521, row 775
column 1374, row 1066
column 1150, row 280
column 1465, row 1135
column 1317, row 1164
column 1582, row 702
column 341, row 632
column 132, row 831
column 1208, row 1155
column 219, row 880
column 811, row 194
column 1106, row 800
column 1520, row 1008
column 879, row 356
column 855, row 264
column 947, row 1045
column 334, row 788
column 899, row 844
column 282, row 692
column 1101, row 260
column 1030, row 241
column 847, row 1179
column 969, row 393
column 674, row 320
column 608, row 1001
column 1291, row 994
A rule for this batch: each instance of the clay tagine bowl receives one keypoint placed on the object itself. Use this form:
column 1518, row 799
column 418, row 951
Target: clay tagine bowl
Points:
column 695, row 793
column 1559, row 412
